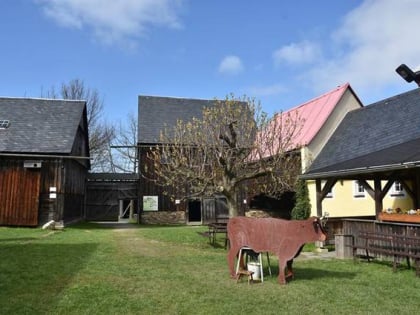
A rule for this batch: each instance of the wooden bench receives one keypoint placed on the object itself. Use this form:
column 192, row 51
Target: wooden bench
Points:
column 391, row 245
column 217, row 228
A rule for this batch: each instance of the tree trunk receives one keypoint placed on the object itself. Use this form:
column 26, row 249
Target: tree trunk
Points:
column 232, row 204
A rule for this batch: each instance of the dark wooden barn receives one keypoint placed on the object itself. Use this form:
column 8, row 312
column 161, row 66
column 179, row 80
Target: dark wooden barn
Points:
column 44, row 160
column 155, row 114
column 112, row 197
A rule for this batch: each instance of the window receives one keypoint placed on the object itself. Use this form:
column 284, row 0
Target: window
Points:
column 397, row 189
column 4, row 124
column 358, row 190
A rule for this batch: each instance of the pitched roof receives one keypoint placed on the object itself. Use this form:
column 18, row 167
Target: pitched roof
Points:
column 156, row 113
column 314, row 114
column 378, row 135
column 39, row 125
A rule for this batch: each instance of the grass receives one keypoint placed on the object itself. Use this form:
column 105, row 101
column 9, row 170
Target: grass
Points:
column 86, row 269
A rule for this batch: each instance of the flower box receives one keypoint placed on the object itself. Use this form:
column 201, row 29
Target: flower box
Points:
column 399, row 217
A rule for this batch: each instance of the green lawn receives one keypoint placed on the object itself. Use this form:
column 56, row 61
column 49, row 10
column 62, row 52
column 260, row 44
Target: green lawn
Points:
column 86, row 269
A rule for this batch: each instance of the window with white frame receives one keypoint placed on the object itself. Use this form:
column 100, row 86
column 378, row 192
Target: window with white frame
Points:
column 397, row 189
column 358, row 189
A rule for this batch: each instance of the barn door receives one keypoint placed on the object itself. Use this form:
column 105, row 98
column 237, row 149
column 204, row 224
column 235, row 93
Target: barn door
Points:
column 19, row 196
column 102, row 203
column 209, row 210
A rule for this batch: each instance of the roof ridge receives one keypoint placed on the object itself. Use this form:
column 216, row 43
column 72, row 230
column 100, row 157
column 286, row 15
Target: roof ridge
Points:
column 38, row 98
column 340, row 87
column 395, row 96
column 181, row 98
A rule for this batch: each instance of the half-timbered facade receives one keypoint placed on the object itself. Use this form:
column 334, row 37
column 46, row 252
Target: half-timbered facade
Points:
column 44, row 159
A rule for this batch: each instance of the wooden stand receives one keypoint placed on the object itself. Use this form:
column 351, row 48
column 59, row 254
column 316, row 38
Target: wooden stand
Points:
column 243, row 272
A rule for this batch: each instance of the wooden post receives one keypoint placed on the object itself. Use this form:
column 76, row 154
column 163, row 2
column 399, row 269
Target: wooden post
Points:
column 131, row 209
column 378, row 197
column 318, row 197
column 121, row 208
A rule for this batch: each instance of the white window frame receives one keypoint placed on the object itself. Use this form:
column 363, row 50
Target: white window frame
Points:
column 397, row 189
column 359, row 190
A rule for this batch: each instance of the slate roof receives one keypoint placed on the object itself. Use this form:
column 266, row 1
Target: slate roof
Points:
column 382, row 135
column 41, row 126
column 155, row 113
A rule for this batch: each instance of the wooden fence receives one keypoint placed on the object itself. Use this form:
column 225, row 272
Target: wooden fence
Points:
column 352, row 228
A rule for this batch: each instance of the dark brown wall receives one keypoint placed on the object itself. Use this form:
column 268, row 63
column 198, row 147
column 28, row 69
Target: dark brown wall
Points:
column 149, row 188
column 66, row 175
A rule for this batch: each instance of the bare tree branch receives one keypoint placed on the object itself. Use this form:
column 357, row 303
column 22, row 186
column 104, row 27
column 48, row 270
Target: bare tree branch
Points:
column 233, row 145
column 100, row 133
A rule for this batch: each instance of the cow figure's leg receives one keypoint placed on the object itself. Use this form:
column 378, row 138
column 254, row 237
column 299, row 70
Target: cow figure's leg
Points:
column 232, row 253
column 282, row 267
column 289, row 273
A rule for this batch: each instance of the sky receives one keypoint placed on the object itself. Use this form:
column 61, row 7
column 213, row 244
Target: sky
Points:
column 282, row 53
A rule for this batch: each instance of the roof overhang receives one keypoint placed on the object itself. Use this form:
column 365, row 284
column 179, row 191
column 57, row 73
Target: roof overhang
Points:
column 368, row 171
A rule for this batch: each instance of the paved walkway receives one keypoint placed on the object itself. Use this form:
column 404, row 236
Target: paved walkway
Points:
column 314, row 255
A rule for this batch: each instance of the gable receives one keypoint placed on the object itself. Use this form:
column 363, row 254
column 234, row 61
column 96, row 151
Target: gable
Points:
column 315, row 113
column 40, row 126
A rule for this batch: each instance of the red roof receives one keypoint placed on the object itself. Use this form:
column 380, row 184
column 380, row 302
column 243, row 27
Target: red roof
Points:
column 314, row 113
column 298, row 126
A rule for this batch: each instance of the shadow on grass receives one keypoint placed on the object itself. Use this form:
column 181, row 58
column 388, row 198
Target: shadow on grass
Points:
column 104, row 225
column 17, row 239
column 310, row 273
column 32, row 276
column 313, row 273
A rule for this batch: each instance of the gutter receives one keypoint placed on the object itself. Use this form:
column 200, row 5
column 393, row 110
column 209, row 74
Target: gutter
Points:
column 361, row 170
column 40, row 156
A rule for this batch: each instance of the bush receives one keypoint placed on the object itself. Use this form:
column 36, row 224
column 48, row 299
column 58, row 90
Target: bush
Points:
column 302, row 208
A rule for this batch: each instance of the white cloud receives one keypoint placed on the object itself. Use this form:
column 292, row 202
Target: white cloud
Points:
column 297, row 53
column 372, row 41
column 113, row 21
column 231, row 65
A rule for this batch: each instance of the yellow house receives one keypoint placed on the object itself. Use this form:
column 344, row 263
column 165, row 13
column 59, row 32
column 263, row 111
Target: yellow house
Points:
column 321, row 117
column 349, row 198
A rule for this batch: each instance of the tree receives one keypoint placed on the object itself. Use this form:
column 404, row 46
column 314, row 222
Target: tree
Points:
column 124, row 147
column 302, row 208
column 233, row 146
column 100, row 133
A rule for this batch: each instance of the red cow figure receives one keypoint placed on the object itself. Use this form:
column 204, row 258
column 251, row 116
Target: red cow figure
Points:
column 282, row 237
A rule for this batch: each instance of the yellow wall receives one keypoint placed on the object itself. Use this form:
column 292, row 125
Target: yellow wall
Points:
column 344, row 204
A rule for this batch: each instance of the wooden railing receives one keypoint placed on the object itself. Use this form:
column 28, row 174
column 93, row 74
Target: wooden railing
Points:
column 354, row 227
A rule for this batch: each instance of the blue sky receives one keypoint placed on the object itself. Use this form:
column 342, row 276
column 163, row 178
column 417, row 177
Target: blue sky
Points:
column 283, row 53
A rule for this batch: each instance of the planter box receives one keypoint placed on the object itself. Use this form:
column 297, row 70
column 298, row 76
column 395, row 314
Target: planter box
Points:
column 397, row 217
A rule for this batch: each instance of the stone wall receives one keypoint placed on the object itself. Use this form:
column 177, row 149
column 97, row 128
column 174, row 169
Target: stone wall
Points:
column 163, row 217
column 260, row 214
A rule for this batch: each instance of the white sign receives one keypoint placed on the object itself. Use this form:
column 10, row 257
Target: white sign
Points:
column 150, row 203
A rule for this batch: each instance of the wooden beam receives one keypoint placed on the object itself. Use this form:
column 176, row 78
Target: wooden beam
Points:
column 368, row 188
column 378, row 196
column 322, row 192
column 318, row 197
